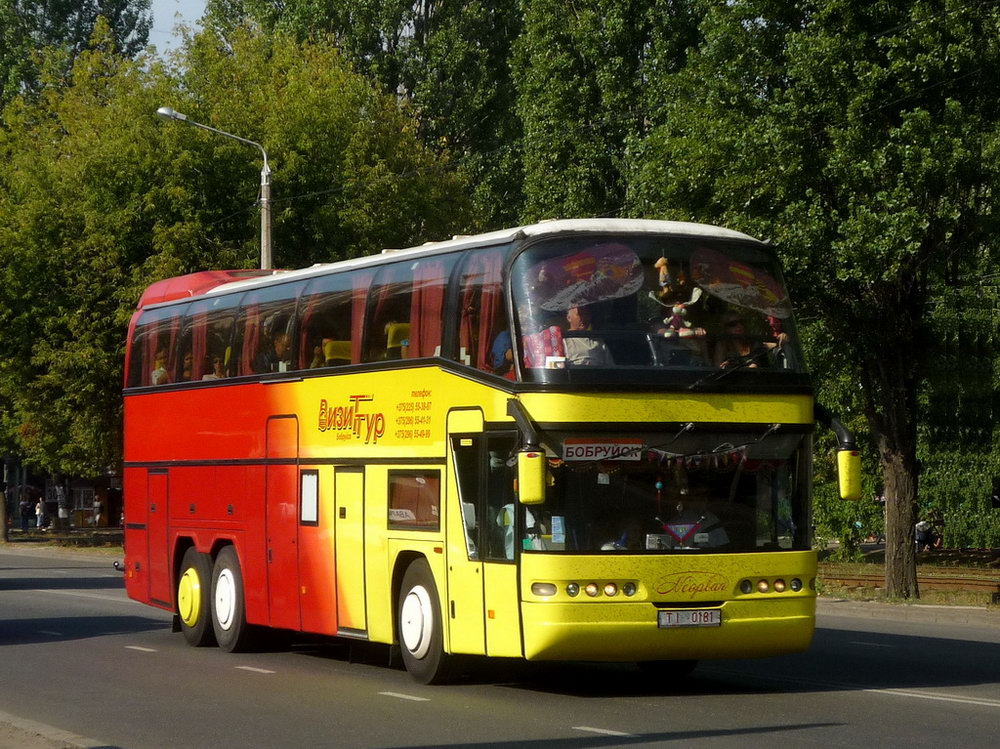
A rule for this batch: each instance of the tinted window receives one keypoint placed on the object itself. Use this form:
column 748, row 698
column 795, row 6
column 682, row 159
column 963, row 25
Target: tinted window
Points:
column 264, row 329
column 154, row 359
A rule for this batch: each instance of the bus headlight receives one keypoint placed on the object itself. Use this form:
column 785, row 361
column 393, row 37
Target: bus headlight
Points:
column 592, row 590
column 572, row 590
column 610, row 590
column 779, row 586
column 762, row 586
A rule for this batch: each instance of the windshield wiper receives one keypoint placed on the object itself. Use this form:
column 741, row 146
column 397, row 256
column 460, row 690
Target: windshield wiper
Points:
column 742, row 363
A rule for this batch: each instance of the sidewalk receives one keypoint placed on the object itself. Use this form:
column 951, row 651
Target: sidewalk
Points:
column 909, row 612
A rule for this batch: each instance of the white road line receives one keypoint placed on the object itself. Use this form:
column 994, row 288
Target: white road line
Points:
column 256, row 670
column 141, row 649
column 401, row 696
column 871, row 644
column 847, row 687
column 50, row 633
column 980, row 701
column 602, row 731
column 116, row 599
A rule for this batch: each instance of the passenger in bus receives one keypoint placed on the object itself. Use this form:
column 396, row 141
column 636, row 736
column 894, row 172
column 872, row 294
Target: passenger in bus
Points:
column 274, row 357
column 188, row 364
column 318, row 359
column 214, row 363
column 737, row 346
column 159, row 375
column 583, row 351
column 502, row 355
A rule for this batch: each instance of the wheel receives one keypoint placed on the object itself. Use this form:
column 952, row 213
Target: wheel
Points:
column 667, row 669
column 418, row 624
column 193, row 598
column 229, row 619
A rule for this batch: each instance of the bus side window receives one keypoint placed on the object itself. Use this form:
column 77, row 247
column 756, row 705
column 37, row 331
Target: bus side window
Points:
column 482, row 316
column 467, row 460
column 264, row 329
column 331, row 319
column 154, row 347
column 430, row 285
column 415, row 500
column 388, row 319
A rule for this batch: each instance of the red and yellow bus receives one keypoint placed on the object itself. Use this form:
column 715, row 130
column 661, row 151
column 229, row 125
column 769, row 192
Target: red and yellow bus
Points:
column 581, row 439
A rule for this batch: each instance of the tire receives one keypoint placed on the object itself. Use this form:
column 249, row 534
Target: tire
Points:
column 419, row 625
column 667, row 669
column 193, row 601
column 229, row 618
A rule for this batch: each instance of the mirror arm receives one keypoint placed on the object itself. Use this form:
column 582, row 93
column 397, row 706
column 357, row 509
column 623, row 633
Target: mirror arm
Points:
column 527, row 428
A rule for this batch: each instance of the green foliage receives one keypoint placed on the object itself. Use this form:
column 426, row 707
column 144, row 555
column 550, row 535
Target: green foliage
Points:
column 27, row 26
column 98, row 198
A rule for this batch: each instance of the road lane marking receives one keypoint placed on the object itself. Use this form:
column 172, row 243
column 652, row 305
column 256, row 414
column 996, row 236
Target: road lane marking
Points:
column 980, row 701
column 141, row 649
column 400, row 696
column 50, row 633
column 602, row 731
column 116, row 599
column 871, row 644
column 256, row 670
column 847, row 687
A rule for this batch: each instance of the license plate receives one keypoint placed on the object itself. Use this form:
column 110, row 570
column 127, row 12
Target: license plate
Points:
column 689, row 618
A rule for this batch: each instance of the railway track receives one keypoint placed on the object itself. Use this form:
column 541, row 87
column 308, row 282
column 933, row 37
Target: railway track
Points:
column 970, row 584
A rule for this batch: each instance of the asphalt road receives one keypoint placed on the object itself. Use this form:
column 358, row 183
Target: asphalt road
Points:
column 81, row 665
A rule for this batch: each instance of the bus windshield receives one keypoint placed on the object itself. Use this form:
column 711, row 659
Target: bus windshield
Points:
column 642, row 302
column 745, row 497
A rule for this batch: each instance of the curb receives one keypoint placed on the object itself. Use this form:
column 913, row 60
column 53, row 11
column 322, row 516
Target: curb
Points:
column 909, row 612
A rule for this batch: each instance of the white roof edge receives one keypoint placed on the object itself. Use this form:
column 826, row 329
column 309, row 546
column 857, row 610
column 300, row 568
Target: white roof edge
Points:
column 543, row 228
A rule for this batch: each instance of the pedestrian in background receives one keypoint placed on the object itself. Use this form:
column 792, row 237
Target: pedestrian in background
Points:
column 25, row 508
column 97, row 511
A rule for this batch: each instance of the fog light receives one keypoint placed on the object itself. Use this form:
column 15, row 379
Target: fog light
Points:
column 746, row 587
column 796, row 584
column 543, row 589
column 610, row 590
column 572, row 590
column 592, row 590
column 629, row 589
column 762, row 586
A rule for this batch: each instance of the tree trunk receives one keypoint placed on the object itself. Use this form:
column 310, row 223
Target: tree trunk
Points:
column 900, row 502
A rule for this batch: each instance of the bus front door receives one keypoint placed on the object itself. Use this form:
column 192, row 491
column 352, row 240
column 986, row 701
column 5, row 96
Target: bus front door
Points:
column 482, row 591
column 281, row 500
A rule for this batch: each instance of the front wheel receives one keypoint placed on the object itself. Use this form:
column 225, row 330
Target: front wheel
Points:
column 193, row 598
column 229, row 619
column 418, row 624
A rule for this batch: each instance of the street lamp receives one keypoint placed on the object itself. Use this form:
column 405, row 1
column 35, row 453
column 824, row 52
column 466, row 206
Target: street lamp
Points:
column 265, row 182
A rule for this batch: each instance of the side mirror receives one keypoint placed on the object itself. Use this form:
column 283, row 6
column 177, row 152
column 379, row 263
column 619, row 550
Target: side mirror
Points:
column 531, row 471
column 849, row 474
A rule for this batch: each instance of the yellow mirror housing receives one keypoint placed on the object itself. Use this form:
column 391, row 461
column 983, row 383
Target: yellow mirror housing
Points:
column 531, row 472
column 849, row 474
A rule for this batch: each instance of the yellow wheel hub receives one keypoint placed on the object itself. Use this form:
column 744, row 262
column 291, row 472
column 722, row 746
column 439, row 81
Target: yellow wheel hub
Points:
column 189, row 597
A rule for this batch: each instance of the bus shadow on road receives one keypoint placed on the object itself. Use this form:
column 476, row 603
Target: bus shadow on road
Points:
column 66, row 628
column 109, row 581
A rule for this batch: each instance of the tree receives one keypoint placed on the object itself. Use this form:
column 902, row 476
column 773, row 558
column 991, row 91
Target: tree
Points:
column 449, row 60
column 864, row 139
column 99, row 198
column 30, row 25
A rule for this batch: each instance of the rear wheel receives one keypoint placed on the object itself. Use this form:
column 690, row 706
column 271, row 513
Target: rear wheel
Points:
column 229, row 619
column 193, row 604
column 418, row 623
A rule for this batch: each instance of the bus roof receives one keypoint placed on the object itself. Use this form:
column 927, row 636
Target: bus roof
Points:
column 224, row 282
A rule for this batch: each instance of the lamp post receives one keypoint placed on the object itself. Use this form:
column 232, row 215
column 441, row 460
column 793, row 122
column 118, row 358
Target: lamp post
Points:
column 265, row 182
